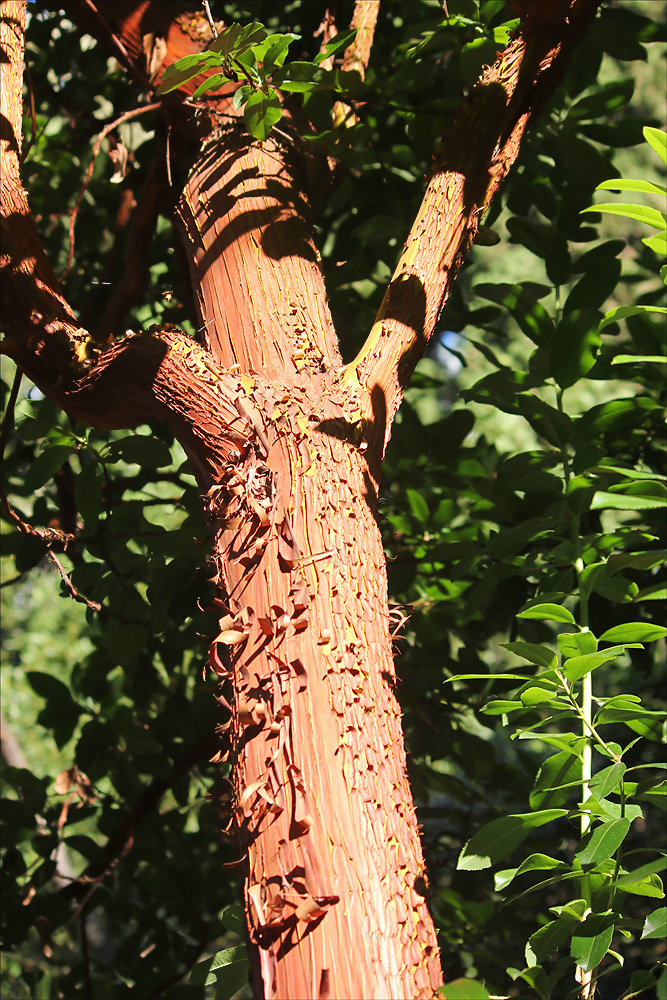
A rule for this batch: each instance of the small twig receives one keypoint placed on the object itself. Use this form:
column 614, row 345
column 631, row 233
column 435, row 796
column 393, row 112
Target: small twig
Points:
column 48, row 535
column 168, row 153
column 114, row 37
column 89, row 172
column 93, row 605
column 209, row 16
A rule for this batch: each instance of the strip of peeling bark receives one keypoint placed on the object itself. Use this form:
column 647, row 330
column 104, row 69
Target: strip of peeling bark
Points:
column 364, row 19
column 473, row 159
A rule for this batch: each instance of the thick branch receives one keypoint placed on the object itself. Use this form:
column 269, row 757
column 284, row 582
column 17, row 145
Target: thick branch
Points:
column 475, row 156
column 161, row 375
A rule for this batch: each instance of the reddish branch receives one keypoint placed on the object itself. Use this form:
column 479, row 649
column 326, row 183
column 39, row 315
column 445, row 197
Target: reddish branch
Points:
column 470, row 164
column 358, row 53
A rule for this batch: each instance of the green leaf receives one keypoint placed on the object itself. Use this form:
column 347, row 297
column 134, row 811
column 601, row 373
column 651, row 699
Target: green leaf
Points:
column 228, row 968
column 650, row 868
column 484, row 677
column 603, row 841
column 241, row 96
column 606, row 99
column 657, row 139
column 574, row 907
column 88, row 491
column 640, row 213
column 237, row 39
column 577, row 643
column 210, row 83
column 623, row 312
column 273, row 50
column 184, row 70
column 657, row 243
column 522, row 302
column 261, row 112
column 615, row 501
column 536, row 695
column 502, row 707
column 578, row 666
column 140, row 449
column 418, row 505
column 548, row 612
column 303, row 77
column 655, row 925
column 606, row 780
column 591, row 940
column 61, row 713
column 465, row 989
column 541, row 655
column 638, row 719
column 577, row 335
column 649, row 887
column 632, row 184
column 556, row 779
column 45, row 466
column 536, row 862
column 339, row 41
column 548, row 939
column 634, row 632
column 637, row 359
column 225, row 40
column 500, row 837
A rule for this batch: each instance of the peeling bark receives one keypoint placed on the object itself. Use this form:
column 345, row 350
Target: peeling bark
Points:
column 287, row 447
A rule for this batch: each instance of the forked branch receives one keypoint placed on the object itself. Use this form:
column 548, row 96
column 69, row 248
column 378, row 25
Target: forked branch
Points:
column 473, row 159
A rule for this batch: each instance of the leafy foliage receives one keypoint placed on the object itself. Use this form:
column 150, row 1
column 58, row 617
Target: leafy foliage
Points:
column 247, row 55
column 529, row 492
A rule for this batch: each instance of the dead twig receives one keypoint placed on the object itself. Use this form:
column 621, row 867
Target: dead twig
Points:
column 73, row 592
column 127, row 116
column 209, row 17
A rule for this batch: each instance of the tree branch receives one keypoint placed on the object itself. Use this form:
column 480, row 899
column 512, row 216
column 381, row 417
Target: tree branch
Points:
column 157, row 375
column 473, row 159
column 357, row 54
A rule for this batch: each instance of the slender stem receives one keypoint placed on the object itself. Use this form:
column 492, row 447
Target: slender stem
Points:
column 209, row 18
column 585, row 712
column 589, row 729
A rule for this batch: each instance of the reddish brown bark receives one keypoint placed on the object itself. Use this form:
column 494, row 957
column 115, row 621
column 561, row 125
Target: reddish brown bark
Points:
column 287, row 448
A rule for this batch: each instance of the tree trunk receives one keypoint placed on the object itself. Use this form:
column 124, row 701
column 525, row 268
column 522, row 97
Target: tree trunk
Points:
column 287, row 446
column 334, row 865
column 323, row 806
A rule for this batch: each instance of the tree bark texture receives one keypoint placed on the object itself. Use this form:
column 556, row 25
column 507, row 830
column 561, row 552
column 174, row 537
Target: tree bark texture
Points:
column 287, row 446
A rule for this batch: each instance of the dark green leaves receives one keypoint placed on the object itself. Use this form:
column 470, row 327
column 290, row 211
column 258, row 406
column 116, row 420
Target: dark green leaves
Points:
column 255, row 61
column 591, row 940
column 603, row 841
column 500, row 837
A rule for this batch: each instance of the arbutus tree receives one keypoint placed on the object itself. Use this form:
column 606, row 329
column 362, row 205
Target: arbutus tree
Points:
column 286, row 443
